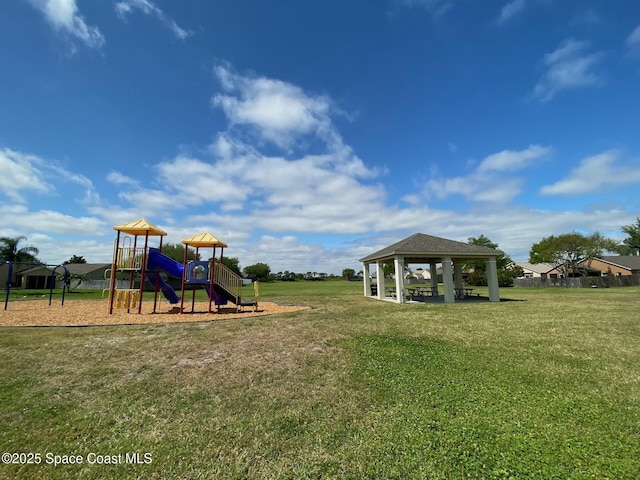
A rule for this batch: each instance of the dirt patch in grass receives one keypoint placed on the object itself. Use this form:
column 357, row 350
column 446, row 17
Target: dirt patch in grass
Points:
column 38, row 313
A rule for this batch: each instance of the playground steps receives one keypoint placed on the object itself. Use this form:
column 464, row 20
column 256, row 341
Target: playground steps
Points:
column 227, row 282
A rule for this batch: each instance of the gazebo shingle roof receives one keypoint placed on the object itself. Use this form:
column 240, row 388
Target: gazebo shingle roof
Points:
column 421, row 246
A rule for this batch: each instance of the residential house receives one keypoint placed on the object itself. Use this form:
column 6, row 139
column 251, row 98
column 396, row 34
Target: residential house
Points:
column 15, row 270
column 36, row 277
column 40, row 277
column 616, row 266
column 538, row 270
column 422, row 273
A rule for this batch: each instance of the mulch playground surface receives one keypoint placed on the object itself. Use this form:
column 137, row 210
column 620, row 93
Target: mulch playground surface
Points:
column 38, row 313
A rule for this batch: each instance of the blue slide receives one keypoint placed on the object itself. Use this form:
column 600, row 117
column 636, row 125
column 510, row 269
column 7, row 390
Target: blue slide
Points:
column 159, row 261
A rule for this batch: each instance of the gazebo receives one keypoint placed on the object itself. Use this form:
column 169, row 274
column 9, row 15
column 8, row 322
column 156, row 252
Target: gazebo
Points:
column 427, row 249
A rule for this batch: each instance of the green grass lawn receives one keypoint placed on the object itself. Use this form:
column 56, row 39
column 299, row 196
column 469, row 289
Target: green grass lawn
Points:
column 543, row 385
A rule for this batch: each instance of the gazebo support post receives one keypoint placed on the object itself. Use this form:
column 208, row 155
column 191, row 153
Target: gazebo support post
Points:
column 492, row 280
column 366, row 280
column 398, row 263
column 457, row 277
column 447, row 280
column 433, row 269
column 380, row 279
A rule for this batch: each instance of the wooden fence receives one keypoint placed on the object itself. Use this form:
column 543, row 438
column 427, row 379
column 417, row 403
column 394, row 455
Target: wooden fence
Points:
column 580, row 282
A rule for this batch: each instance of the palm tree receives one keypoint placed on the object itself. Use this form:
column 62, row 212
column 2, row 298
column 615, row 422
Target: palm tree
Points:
column 9, row 250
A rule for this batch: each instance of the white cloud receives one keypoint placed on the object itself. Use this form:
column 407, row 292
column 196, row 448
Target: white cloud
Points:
column 21, row 172
column 588, row 17
column 62, row 174
column 306, row 195
column 633, row 40
column 282, row 114
column 568, row 67
column 437, row 8
column 497, row 190
column 192, row 182
column 125, row 7
column 515, row 229
column 311, row 193
column 510, row 10
column 151, row 202
column 324, row 192
column 118, row 178
column 63, row 15
column 20, row 217
column 634, row 37
column 288, row 252
column 510, row 160
column 595, row 173
column 278, row 111
column 476, row 187
column 488, row 183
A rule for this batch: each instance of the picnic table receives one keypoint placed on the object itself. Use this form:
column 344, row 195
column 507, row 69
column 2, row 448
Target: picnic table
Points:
column 463, row 292
column 422, row 292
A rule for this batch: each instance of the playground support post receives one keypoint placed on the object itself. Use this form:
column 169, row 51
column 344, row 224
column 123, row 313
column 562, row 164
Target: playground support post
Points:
column 64, row 282
column 8, row 288
column 114, row 266
column 143, row 271
column 184, row 277
column 211, row 280
column 156, row 285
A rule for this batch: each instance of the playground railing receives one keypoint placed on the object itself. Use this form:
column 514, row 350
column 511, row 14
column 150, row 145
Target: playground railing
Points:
column 129, row 258
column 227, row 279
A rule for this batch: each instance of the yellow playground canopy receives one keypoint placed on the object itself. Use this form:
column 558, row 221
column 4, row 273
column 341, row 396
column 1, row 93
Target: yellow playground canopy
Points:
column 204, row 239
column 140, row 227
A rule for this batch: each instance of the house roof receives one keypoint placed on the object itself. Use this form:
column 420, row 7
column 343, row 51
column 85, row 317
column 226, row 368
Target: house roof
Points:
column 631, row 262
column 419, row 247
column 537, row 267
column 140, row 227
column 37, row 268
column 72, row 268
column 85, row 268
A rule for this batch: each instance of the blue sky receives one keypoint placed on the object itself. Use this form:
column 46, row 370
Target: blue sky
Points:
column 309, row 134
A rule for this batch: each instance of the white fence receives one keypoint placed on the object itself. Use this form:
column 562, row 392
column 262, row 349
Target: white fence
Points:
column 99, row 284
column 579, row 282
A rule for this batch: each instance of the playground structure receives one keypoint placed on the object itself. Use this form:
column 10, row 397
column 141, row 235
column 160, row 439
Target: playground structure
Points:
column 133, row 256
column 65, row 278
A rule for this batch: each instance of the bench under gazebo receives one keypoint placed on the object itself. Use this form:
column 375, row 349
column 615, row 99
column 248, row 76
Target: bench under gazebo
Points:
column 427, row 249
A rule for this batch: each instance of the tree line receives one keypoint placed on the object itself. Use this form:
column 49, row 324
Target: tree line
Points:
column 568, row 251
